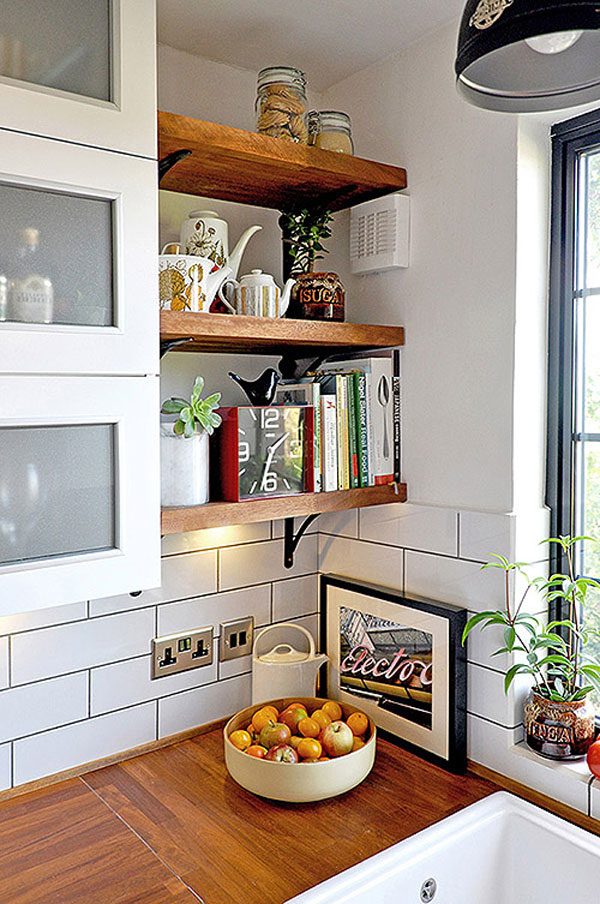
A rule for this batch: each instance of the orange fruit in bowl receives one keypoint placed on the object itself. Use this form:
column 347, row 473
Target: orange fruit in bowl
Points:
column 309, row 728
column 263, row 716
column 358, row 723
column 309, row 748
column 321, row 718
column 333, row 710
column 311, row 759
column 295, row 741
column 357, row 744
column 240, row 739
column 257, row 751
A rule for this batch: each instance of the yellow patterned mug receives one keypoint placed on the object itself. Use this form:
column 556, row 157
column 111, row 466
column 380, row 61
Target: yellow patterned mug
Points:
column 187, row 282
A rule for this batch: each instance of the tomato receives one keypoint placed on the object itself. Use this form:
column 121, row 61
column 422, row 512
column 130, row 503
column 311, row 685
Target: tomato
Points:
column 593, row 759
column 257, row 751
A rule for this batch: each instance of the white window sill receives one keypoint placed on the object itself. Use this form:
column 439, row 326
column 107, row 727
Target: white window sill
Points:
column 570, row 770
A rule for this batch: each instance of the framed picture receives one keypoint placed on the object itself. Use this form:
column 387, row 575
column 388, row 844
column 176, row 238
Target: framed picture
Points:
column 401, row 660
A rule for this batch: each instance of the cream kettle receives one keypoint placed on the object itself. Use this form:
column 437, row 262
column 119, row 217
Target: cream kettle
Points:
column 258, row 295
column 282, row 670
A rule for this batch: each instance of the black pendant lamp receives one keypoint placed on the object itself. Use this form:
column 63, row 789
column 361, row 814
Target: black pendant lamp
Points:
column 522, row 56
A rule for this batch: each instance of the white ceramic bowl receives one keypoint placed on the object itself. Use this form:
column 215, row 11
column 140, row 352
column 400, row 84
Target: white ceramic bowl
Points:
column 297, row 783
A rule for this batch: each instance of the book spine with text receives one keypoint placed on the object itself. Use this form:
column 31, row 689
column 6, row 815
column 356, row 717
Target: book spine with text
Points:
column 342, row 420
column 396, row 385
column 354, row 475
column 329, row 442
column 360, row 391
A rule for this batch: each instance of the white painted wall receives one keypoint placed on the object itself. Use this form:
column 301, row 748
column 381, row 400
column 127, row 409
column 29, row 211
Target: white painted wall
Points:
column 457, row 298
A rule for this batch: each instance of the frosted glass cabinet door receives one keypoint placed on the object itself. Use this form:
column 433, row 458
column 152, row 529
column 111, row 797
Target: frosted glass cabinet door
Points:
column 79, row 489
column 78, row 259
column 80, row 70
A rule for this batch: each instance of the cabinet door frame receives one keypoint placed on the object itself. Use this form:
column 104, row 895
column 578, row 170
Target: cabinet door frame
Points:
column 131, row 345
column 131, row 404
column 128, row 122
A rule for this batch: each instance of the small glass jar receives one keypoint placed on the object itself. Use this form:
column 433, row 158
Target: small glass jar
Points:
column 334, row 132
column 281, row 104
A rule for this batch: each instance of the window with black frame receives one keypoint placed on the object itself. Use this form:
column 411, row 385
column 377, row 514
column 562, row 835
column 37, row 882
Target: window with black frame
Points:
column 573, row 472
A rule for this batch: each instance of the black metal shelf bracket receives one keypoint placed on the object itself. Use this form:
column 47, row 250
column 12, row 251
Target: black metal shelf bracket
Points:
column 291, row 539
column 167, row 344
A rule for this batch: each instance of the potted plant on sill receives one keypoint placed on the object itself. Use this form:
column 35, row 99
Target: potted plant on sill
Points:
column 316, row 295
column 559, row 716
column 184, row 446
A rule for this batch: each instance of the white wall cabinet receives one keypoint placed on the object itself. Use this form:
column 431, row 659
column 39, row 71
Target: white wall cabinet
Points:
column 80, row 71
column 83, row 223
column 79, row 489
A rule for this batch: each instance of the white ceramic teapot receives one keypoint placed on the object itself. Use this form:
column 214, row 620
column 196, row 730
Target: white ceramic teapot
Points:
column 258, row 295
column 282, row 670
column 206, row 234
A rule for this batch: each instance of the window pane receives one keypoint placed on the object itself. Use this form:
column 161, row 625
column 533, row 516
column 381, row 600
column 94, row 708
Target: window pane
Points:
column 589, row 363
column 57, row 491
column 588, row 517
column 55, row 257
column 63, row 44
column 589, row 212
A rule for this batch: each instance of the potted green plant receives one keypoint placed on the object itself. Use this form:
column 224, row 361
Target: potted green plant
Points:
column 184, row 446
column 318, row 295
column 559, row 716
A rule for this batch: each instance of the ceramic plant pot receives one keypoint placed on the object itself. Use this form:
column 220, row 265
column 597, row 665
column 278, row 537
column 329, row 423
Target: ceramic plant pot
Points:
column 559, row 731
column 183, row 467
column 319, row 296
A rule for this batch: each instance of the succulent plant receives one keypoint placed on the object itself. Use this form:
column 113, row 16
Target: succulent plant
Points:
column 195, row 414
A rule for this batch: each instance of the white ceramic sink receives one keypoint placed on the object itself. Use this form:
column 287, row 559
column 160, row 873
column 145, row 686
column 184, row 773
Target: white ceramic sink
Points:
column 499, row 850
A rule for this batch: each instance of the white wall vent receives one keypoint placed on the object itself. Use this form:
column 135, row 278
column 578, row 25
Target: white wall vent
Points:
column 380, row 234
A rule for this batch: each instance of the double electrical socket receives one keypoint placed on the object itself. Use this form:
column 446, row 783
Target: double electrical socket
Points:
column 180, row 652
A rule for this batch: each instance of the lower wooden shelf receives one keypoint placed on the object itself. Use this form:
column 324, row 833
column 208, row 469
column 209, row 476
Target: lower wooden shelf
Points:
column 177, row 520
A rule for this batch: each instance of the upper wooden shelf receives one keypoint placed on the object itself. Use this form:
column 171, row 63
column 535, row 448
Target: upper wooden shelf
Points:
column 263, row 335
column 234, row 165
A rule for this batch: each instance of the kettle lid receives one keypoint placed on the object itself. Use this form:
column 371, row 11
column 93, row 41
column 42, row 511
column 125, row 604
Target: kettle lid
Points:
column 284, row 652
column 212, row 214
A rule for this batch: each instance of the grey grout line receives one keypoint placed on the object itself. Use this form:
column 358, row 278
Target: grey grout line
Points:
column 458, row 535
column 9, row 653
column 493, row 721
column 12, row 764
column 141, row 838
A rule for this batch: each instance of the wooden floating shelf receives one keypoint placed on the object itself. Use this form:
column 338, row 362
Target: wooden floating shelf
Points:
column 262, row 335
column 234, row 165
column 224, row 514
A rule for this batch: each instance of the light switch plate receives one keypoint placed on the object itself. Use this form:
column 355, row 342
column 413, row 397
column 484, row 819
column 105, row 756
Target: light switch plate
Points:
column 180, row 652
column 236, row 639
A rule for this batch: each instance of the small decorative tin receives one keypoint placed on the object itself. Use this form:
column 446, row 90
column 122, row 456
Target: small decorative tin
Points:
column 319, row 296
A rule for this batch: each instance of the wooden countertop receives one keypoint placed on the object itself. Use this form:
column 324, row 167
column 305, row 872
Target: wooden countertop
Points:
column 172, row 826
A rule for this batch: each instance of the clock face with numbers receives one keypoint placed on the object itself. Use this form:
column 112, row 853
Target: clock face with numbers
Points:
column 271, row 451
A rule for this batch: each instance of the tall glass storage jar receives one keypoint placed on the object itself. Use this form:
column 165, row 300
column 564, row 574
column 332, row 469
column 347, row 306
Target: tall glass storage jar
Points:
column 281, row 104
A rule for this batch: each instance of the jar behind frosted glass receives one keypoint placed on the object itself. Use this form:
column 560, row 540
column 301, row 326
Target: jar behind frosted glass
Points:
column 281, row 104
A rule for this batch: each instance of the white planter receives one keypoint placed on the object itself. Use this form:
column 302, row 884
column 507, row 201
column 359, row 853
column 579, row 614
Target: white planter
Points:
column 183, row 467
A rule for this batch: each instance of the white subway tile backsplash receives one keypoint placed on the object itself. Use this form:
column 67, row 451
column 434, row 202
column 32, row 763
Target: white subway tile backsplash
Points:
column 214, row 610
column 203, row 705
column 215, row 538
column 183, row 576
column 74, row 745
column 362, row 561
column 235, row 667
column 454, row 581
column 483, row 534
column 5, row 767
column 241, row 566
column 486, row 696
column 70, row 648
column 299, row 596
column 4, row 662
column 127, row 683
column 42, row 618
column 45, row 704
column 340, row 524
column 419, row 527
column 482, row 644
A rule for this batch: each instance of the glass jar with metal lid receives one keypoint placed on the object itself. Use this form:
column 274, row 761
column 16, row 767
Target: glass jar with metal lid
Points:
column 331, row 130
column 281, row 103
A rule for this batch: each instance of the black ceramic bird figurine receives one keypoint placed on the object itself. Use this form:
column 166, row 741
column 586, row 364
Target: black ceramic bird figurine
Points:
column 262, row 390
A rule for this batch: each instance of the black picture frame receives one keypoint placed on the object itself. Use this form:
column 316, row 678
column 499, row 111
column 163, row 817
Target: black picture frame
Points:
column 441, row 735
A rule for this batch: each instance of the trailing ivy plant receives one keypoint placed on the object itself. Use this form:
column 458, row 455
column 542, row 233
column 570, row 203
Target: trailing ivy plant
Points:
column 304, row 231
column 196, row 414
column 553, row 653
